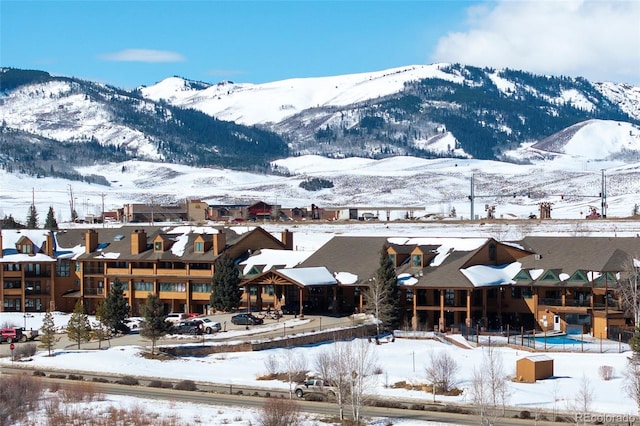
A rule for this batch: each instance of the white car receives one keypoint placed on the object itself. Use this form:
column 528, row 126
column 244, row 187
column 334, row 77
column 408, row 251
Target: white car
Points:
column 210, row 326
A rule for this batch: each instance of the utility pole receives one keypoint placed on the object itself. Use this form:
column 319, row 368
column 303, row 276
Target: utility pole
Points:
column 102, row 196
column 471, row 198
column 603, row 196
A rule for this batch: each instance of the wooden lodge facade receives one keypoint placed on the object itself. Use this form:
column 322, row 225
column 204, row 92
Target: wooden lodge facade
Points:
column 544, row 283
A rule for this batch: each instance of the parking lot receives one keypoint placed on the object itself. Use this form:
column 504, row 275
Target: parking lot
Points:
column 286, row 325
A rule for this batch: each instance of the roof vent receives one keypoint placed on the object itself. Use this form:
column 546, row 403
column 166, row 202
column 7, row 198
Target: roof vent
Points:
column 118, row 237
column 537, row 256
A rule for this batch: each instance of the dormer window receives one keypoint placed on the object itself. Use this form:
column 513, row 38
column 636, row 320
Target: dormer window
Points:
column 26, row 249
column 493, row 252
column 157, row 246
column 416, row 260
column 199, row 247
column 392, row 258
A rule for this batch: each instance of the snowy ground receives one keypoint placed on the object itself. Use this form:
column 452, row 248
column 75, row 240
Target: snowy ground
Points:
column 402, row 360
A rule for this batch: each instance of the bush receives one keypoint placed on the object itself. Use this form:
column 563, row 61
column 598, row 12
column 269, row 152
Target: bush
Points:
column 606, row 372
column 187, row 385
column 279, row 412
column 128, row 380
column 39, row 373
column 160, row 384
column 525, row 414
column 25, row 350
column 19, row 393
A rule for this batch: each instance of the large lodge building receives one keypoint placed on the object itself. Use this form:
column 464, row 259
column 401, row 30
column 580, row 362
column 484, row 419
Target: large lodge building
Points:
column 537, row 283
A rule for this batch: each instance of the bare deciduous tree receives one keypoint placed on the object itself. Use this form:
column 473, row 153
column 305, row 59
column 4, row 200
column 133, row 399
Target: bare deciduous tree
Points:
column 632, row 380
column 361, row 359
column 272, row 364
column 295, row 365
column 441, row 373
column 628, row 291
column 584, row 395
column 490, row 385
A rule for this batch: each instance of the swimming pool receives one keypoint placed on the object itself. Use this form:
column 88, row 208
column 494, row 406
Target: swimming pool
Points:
column 558, row 340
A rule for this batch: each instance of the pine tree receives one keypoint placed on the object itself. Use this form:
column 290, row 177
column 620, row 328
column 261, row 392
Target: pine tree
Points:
column 78, row 327
column 100, row 329
column 32, row 218
column 51, row 222
column 382, row 296
column 154, row 325
column 116, row 307
column 226, row 294
column 48, row 337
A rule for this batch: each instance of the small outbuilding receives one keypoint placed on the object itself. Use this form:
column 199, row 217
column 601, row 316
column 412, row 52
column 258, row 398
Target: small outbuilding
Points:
column 534, row 367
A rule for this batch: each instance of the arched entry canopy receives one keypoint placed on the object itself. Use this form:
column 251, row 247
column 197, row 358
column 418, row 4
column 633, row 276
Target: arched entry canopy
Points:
column 304, row 289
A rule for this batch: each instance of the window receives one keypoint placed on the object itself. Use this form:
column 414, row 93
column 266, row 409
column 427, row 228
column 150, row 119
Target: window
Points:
column 32, row 269
column 449, row 296
column 416, row 260
column 78, row 267
column 392, row 257
column 516, row 292
column 157, row 246
column 527, row 293
column 199, row 247
column 200, row 266
column 173, row 287
column 33, row 287
column 201, row 288
column 143, row 286
column 26, row 249
column 63, row 268
column 11, row 267
column 12, row 284
column 493, row 252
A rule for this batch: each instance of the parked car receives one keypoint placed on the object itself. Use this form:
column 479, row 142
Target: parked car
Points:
column 246, row 319
column 210, row 326
column 176, row 317
column 188, row 327
column 17, row 334
column 315, row 386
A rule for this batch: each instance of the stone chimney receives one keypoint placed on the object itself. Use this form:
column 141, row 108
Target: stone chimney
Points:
column 90, row 241
column 287, row 239
column 49, row 243
column 138, row 241
column 219, row 242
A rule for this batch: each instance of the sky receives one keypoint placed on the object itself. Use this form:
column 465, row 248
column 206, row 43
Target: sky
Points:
column 133, row 43
column 576, row 367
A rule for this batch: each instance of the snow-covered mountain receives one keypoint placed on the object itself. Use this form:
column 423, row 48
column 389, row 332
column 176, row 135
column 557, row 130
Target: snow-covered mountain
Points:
column 428, row 111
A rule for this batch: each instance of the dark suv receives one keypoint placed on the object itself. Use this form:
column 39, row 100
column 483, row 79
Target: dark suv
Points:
column 246, row 319
column 188, row 327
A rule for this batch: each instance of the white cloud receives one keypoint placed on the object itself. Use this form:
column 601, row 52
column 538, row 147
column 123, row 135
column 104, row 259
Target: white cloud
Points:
column 599, row 40
column 143, row 55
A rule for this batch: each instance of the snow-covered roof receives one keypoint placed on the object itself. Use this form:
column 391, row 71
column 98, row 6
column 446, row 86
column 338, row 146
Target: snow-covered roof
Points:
column 346, row 278
column 485, row 275
column 407, row 279
column 445, row 246
column 271, row 257
column 309, row 276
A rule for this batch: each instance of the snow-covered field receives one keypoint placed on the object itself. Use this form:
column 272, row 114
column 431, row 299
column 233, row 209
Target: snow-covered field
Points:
column 401, row 360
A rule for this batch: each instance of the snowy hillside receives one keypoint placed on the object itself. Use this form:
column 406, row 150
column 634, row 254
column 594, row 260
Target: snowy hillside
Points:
column 59, row 110
column 433, row 187
column 591, row 140
column 273, row 102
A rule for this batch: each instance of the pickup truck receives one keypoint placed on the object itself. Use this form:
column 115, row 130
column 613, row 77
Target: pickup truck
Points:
column 315, row 386
column 17, row 334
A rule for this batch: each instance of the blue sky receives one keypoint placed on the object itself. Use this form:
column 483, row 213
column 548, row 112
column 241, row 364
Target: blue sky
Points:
column 132, row 43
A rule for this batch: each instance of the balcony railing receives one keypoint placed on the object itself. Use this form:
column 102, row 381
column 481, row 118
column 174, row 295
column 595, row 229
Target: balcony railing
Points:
column 91, row 291
column 548, row 301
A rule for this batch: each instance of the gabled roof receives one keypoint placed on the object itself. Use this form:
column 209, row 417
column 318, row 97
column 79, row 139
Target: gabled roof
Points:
column 579, row 253
column 359, row 256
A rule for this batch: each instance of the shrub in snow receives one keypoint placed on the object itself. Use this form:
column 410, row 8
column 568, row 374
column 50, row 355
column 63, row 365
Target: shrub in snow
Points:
column 606, row 372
